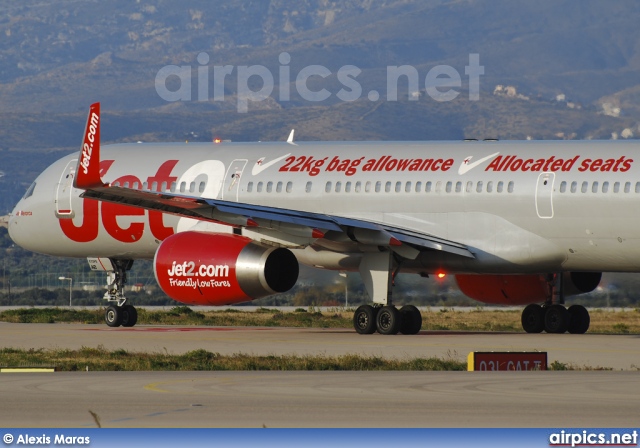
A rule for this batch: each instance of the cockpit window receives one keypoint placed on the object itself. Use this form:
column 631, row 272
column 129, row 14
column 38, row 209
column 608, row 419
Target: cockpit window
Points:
column 29, row 191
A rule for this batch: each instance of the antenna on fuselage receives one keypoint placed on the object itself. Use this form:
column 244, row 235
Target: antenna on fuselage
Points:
column 290, row 139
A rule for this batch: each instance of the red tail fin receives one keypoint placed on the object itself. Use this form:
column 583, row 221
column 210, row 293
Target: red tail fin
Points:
column 88, row 170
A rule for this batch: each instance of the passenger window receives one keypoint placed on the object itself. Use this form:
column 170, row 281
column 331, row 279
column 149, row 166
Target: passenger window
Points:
column 500, row 186
column 398, row 187
column 259, row 187
column 307, row 188
column 269, row 187
column 347, row 187
column 249, row 187
column 438, row 187
column 510, row 187
column 201, row 188
column 637, row 187
column 145, row 186
column 338, row 187
column 563, row 187
column 418, row 187
column 279, row 187
column 378, row 186
column 367, row 187
column 289, row 187
column 469, row 187
column 183, row 187
column 427, row 187
column 479, row 187
column 358, row 187
column 489, row 187
column 136, row 185
column 407, row 187
column 627, row 187
column 163, row 187
column 154, row 186
column 448, row 187
column 126, row 184
column 192, row 187
column 585, row 187
column 594, row 187
column 387, row 187
column 574, row 186
column 616, row 187
column 327, row 188
column 605, row 187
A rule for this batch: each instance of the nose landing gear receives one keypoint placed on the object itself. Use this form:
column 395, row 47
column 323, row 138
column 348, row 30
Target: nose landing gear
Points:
column 118, row 313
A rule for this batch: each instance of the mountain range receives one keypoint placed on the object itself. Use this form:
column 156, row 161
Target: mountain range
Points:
column 552, row 69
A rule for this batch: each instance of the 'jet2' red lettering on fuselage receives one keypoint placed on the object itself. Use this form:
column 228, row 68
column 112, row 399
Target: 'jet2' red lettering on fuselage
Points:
column 92, row 212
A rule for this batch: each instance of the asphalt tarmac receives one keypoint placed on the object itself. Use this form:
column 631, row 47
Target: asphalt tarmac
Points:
column 320, row 399
column 618, row 352
column 323, row 399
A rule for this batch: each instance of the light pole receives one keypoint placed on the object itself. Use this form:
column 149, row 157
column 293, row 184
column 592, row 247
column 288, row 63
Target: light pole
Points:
column 70, row 283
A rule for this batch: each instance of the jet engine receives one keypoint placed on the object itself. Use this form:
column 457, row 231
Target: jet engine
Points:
column 523, row 289
column 201, row 268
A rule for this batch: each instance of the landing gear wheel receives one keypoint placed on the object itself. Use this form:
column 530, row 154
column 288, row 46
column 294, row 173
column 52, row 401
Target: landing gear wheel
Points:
column 129, row 316
column 556, row 319
column 579, row 319
column 364, row 319
column 388, row 320
column 113, row 316
column 411, row 320
column 533, row 319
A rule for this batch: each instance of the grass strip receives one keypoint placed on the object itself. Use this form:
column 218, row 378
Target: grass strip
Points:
column 100, row 359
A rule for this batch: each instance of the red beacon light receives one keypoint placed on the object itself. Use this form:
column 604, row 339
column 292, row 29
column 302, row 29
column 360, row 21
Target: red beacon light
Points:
column 441, row 274
column 217, row 140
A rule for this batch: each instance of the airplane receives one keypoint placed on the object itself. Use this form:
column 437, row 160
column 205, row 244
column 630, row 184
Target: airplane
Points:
column 516, row 222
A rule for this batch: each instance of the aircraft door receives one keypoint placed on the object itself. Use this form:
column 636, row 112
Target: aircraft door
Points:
column 64, row 191
column 544, row 195
column 232, row 180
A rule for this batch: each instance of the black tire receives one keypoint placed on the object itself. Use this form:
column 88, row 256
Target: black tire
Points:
column 579, row 319
column 533, row 319
column 411, row 320
column 364, row 319
column 388, row 320
column 113, row 316
column 129, row 316
column 556, row 319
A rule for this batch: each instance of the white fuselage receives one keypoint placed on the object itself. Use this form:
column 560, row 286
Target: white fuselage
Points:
column 519, row 207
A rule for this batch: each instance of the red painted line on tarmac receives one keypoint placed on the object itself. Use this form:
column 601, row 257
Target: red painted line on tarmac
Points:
column 176, row 329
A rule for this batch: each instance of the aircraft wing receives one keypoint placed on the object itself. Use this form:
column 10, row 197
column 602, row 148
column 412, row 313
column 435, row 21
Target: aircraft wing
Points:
column 310, row 224
column 251, row 215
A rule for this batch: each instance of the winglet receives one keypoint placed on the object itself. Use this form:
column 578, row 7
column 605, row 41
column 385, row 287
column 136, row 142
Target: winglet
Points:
column 290, row 139
column 88, row 169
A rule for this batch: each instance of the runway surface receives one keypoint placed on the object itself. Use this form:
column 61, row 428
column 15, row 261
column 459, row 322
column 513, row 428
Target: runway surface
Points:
column 322, row 399
column 619, row 352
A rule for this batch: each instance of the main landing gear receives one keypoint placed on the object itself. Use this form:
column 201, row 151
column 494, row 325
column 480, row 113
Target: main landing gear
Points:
column 383, row 317
column 387, row 319
column 553, row 317
column 119, row 313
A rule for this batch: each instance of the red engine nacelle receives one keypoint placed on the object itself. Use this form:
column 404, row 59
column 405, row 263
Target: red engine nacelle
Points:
column 523, row 289
column 220, row 269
